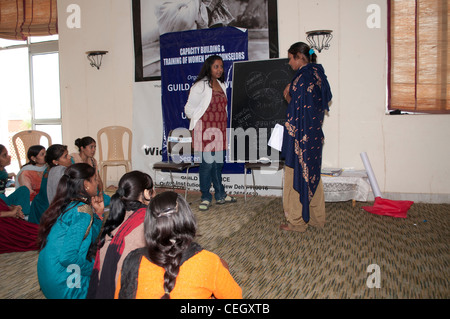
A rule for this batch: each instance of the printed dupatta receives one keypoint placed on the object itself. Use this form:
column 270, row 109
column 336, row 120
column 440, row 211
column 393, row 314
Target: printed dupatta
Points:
column 303, row 137
column 105, row 286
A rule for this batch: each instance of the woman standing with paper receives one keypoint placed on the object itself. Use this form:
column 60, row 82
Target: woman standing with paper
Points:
column 308, row 95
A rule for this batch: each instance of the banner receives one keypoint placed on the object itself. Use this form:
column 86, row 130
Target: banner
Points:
column 182, row 56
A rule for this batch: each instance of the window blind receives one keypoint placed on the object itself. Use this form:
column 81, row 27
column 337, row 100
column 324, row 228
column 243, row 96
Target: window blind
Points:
column 418, row 56
column 20, row 19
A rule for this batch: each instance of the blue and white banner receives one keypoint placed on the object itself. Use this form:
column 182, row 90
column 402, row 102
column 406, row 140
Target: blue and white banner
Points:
column 182, row 56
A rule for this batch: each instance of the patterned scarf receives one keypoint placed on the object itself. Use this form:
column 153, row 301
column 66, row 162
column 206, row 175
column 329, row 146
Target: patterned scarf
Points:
column 303, row 137
column 105, row 287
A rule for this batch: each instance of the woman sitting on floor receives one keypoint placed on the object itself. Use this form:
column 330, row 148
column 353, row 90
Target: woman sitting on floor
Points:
column 68, row 233
column 57, row 158
column 123, row 232
column 31, row 173
column 21, row 196
column 16, row 234
column 86, row 152
column 172, row 265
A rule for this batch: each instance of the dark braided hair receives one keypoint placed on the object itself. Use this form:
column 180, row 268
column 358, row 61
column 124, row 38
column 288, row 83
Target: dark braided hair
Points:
column 169, row 229
column 127, row 198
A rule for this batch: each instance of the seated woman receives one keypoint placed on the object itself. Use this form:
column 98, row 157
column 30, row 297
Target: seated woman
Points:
column 86, row 152
column 172, row 265
column 123, row 232
column 21, row 196
column 68, row 233
column 16, row 234
column 31, row 173
column 56, row 171
column 57, row 158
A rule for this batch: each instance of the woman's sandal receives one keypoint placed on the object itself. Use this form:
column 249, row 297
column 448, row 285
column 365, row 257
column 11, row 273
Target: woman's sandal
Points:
column 204, row 205
column 228, row 199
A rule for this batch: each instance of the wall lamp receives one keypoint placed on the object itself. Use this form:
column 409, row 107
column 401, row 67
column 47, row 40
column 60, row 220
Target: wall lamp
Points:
column 95, row 57
column 319, row 39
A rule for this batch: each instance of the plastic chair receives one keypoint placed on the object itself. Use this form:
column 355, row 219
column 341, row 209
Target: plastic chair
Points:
column 115, row 149
column 24, row 139
column 178, row 140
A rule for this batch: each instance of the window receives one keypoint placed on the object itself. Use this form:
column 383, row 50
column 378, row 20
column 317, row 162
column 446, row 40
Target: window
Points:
column 418, row 56
column 29, row 89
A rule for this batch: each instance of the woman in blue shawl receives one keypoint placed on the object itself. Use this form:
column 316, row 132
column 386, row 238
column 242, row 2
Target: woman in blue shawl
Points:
column 308, row 96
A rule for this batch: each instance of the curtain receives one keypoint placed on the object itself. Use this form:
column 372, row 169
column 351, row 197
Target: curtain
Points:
column 20, row 19
column 419, row 56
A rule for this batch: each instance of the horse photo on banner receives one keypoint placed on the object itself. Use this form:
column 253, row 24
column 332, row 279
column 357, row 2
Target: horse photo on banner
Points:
column 182, row 56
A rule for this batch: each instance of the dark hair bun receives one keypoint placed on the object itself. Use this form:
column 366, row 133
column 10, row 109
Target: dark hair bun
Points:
column 78, row 142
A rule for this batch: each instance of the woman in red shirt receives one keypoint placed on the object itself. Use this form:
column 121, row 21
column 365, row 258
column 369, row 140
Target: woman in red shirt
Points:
column 207, row 109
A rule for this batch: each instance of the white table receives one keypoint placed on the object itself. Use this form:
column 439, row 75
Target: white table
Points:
column 350, row 185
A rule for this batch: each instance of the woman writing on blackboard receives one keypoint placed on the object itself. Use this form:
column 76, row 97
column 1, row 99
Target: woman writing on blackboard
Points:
column 207, row 109
column 308, row 95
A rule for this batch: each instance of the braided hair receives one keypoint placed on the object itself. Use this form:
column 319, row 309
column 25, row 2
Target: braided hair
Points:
column 169, row 229
column 127, row 198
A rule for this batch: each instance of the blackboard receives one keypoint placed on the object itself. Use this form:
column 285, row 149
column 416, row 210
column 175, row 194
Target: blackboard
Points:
column 257, row 104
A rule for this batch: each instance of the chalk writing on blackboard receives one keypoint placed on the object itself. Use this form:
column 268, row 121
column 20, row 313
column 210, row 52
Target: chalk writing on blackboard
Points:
column 257, row 99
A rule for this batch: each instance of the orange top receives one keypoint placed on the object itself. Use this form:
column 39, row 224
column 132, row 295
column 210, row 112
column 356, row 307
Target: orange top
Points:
column 31, row 179
column 200, row 277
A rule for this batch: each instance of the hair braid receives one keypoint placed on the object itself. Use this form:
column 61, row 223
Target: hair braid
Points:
column 169, row 228
column 172, row 268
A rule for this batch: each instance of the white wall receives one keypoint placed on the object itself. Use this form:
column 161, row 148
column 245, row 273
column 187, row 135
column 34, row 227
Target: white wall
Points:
column 409, row 153
column 91, row 98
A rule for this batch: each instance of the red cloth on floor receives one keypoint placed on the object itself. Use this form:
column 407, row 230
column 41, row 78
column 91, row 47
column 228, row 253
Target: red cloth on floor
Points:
column 387, row 207
column 16, row 234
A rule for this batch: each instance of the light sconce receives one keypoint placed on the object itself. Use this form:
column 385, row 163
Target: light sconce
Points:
column 95, row 57
column 319, row 39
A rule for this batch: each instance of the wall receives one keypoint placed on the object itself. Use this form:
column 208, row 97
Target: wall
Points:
column 91, row 98
column 409, row 153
